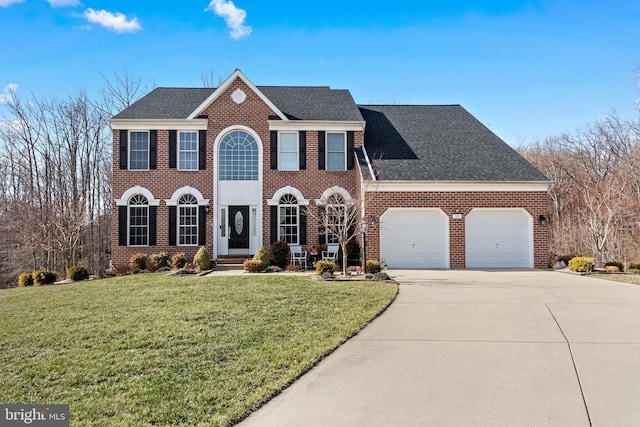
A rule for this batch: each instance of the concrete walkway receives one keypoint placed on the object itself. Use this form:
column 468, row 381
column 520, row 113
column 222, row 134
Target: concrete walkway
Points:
column 480, row 348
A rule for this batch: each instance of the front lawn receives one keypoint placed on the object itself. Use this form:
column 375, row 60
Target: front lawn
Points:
column 167, row 350
column 634, row 279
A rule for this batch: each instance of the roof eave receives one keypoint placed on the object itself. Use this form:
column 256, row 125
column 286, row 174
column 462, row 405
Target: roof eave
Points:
column 178, row 124
column 459, row 186
column 317, row 125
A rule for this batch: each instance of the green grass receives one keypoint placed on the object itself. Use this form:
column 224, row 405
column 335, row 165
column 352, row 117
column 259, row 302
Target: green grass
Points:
column 167, row 350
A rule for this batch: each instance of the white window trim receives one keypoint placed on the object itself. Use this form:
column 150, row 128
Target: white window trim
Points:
column 297, row 167
column 197, row 150
column 129, row 149
column 326, row 151
column 129, row 222
column 129, row 193
column 197, row 225
column 297, row 242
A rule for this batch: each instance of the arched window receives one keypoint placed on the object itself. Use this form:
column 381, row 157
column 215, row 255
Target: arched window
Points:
column 288, row 219
column 188, row 220
column 238, row 157
column 138, row 221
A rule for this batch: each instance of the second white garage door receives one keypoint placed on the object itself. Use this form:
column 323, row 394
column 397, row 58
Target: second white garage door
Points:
column 414, row 238
column 499, row 238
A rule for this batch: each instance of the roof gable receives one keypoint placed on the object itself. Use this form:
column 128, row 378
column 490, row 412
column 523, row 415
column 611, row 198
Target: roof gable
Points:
column 237, row 74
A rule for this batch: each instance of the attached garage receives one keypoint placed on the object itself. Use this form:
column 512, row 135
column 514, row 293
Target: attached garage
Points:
column 414, row 238
column 499, row 238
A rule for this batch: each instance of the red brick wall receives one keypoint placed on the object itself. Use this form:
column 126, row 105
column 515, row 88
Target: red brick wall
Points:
column 222, row 113
column 534, row 202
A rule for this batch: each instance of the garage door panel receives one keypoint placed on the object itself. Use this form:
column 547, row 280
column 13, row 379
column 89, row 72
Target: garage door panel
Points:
column 500, row 238
column 414, row 238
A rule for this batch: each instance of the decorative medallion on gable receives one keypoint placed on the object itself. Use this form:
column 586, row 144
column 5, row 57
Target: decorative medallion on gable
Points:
column 238, row 96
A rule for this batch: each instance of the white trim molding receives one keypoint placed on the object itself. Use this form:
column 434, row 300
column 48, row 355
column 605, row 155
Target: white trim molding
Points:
column 128, row 194
column 288, row 190
column 237, row 74
column 342, row 126
column 457, row 186
column 335, row 190
column 129, row 124
column 175, row 198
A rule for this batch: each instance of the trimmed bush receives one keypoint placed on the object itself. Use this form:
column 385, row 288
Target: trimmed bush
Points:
column 279, row 252
column 178, row 260
column 612, row 269
column 44, row 277
column 253, row 266
column 633, row 271
column 202, row 259
column 581, row 264
column 634, row 266
column 325, row 267
column 159, row 260
column 77, row 273
column 262, row 255
column 25, row 279
column 373, row 267
column 614, row 264
column 138, row 261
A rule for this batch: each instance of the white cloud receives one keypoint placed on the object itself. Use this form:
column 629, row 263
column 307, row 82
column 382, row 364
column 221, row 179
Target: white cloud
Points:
column 233, row 16
column 7, row 92
column 117, row 22
column 64, row 3
column 7, row 3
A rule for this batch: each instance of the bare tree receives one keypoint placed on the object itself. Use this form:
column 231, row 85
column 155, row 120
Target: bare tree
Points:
column 209, row 79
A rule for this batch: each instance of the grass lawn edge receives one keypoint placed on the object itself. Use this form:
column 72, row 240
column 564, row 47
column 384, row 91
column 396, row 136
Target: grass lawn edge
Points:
column 315, row 363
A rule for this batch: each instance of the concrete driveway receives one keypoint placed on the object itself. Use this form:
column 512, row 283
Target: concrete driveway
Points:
column 480, row 348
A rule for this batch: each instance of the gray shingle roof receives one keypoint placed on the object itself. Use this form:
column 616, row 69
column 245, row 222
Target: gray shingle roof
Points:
column 439, row 143
column 296, row 102
column 166, row 103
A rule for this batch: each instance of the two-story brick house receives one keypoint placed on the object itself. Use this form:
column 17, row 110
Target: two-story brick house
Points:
column 239, row 166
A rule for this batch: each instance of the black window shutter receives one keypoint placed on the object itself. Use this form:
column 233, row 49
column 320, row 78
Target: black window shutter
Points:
column 350, row 149
column 202, row 150
column 322, row 237
column 123, row 149
column 173, row 149
column 273, row 149
column 303, row 228
column 273, row 221
column 321, row 150
column 202, row 226
column 302, row 149
column 122, row 225
column 153, row 149
column 173, row 212
column 153, row 213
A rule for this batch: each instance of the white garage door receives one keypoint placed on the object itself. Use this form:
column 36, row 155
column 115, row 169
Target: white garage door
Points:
column 499, row 238
column 414, row 238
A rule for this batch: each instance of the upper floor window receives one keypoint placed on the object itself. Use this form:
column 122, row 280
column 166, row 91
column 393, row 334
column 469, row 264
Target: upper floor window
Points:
column 336, row 151
column 288, row 151
column 188, row 220
column 288, row 221
column 139, row 150
column 188, row 151
column 238, row 157
column 138, row 221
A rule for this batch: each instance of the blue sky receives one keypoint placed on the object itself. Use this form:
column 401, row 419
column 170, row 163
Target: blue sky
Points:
column 527, row 69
